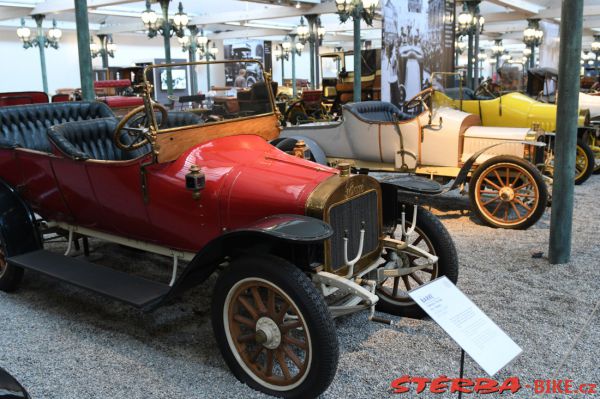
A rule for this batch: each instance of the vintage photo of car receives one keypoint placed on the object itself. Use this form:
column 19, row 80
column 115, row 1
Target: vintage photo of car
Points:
column 295, row 243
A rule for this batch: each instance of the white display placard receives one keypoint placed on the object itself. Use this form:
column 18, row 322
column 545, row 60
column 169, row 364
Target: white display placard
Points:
column 466, row 324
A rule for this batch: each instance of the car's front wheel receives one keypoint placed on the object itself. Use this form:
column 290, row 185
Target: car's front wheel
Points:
column 431, row 236
column 508, row 192
column 584, row 162
column 274, row 329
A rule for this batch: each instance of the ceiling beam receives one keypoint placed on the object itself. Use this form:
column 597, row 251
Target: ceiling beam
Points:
column 280, row 12
column 588, row 11
column 523, row 6
column 55, row 6
column 10, row 12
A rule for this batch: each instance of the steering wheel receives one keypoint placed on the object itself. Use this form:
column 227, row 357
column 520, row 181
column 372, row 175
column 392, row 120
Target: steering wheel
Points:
column 136, row 124
column 488, row 88
column 421, row 99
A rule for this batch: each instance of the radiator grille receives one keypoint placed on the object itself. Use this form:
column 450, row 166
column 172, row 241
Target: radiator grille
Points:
column 348, row 216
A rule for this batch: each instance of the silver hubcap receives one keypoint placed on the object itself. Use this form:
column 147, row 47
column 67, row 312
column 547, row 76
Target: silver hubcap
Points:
column 268, row 333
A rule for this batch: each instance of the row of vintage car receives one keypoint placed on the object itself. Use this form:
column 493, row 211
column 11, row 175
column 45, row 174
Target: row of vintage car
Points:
column 299, row 236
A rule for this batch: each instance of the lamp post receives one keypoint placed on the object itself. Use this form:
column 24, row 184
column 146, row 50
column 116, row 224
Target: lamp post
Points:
column 167, row 28
column 199, row 45
column 357, row 10
column 533, row 37
column 596, row 51
column 313, row 34
column 497, row 51
column 40, row 41
column 105, row 49
column 459, row 48
column 470, row 24
column 291, row 46
column 481, row 57
column 281, row 54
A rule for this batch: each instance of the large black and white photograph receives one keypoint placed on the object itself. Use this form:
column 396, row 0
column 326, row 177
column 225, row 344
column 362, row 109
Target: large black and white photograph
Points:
column 417, row 41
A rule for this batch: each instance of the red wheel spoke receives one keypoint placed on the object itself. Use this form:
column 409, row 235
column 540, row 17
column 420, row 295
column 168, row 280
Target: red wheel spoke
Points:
column 525, row 195
column 271, row 302
column 269, row 364
column 248, row 307
column 284, row 367
column 284, row 308
column 491, row 183
column 258, row 301
column 294, row 341
column 493, row 192
column 244, row 320
column 257, row 352
column 507, row 176
column 246, row 338
column 506, row 213
column 285, row 327
column 527, row 184
column 292, row 356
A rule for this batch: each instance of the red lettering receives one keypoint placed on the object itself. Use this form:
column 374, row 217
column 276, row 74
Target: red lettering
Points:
column 485, row 386
column 539, row 386
column 556, row 386
column 398, row 384
column 568, row 386
column 421, row 383
column 461, row 385
column 592, row 388
column 439, row 385
column 511, row 384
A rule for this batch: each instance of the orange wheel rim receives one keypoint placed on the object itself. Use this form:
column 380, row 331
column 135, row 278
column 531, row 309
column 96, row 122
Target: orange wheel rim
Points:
column 269, row 334
column 507, row 194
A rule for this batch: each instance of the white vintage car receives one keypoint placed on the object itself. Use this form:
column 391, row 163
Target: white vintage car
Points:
column 506, row 189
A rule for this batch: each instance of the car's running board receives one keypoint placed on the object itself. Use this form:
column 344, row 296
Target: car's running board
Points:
column 123, row 287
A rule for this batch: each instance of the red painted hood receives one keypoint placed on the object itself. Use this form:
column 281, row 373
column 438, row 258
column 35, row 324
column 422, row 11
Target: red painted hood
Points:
column 247, row 179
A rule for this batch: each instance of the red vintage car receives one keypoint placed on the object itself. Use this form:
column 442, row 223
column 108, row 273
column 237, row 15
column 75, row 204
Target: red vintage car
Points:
column 296, row 243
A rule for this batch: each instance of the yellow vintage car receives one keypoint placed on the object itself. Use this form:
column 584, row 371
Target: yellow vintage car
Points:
column 519, row 110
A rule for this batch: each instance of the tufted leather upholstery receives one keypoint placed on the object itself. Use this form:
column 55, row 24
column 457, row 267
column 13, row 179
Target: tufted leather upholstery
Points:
column 178, row 119
column 26, row 125
column 377, row 111
column 92, row 139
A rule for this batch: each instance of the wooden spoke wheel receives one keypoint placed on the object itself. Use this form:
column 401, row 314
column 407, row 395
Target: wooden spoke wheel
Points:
column 584, row 162
column 431, row 236
column 3, row 264
column 273, row 328
column 268, row 331
column 594, row 144
column 508, row 192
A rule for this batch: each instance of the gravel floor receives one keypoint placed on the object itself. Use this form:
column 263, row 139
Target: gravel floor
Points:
column 63, row 343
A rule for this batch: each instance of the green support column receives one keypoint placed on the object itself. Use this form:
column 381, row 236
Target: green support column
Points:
column 317, row 66
column 532, row 58
column 41, row 40
column 561, row 221
column 311, row 41
column 470, row 61
column 104, row 55
column 83, row 46
column 282, row 70
column 476, row 55
column 357, row 63
column 192, row 53
column 164, row 5
column 293, row 51
column 207, row 67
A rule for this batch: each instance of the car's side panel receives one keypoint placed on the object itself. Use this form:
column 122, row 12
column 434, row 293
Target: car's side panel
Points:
column 331, row 137
column 11, row 172
column 38, row 185
column 442, row 144
column 365, row 138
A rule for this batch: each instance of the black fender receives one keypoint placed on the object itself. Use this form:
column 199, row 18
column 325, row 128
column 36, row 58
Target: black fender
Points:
column 293, row 237
column 17, row 223
column 463, row 173
column 288, row 143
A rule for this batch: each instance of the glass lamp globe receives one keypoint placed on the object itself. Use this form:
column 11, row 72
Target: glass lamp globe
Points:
column 149, row 17
column 24, row 33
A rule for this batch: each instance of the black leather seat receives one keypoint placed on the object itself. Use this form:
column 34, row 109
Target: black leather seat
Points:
column 257, row 100
column 92, row 139
column 26, row 125
column 377, row 111
column 467, row 94
column 179, row 119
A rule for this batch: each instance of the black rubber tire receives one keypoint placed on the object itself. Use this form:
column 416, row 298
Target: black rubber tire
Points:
column 292, row 281
column 447, row 265
column 10, row 276
column 590, row 162
column 537, row 177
